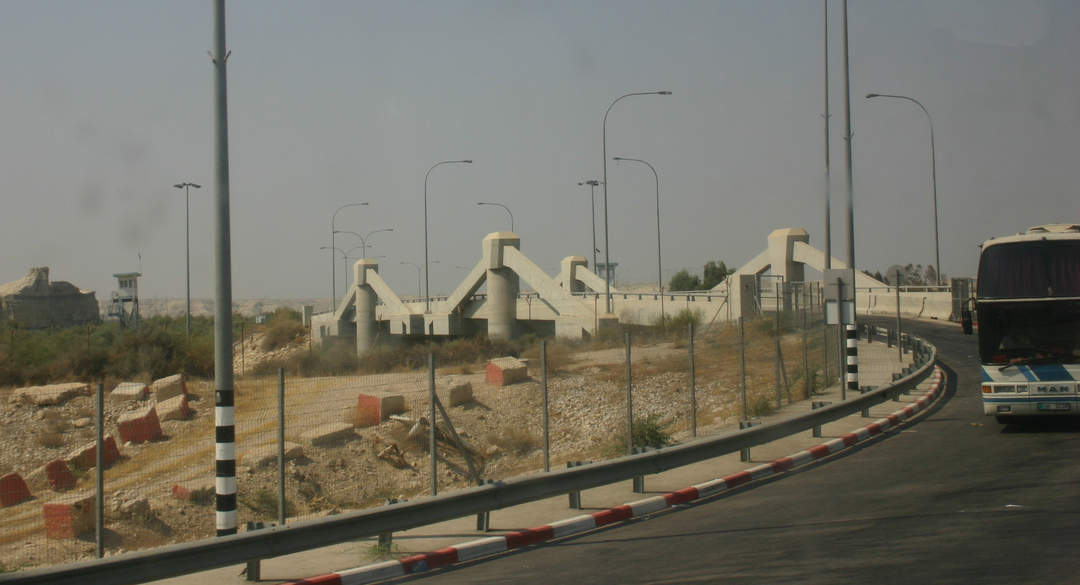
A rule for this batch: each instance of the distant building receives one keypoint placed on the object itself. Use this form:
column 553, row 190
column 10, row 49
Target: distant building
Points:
column 32, row 302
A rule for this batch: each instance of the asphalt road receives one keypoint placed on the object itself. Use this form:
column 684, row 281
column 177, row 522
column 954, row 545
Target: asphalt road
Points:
column 952, row 498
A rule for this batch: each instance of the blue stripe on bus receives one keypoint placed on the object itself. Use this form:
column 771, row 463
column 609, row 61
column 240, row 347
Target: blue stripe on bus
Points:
column 1051, row 372
column 1026, row 371
column 985, row 376
column 1033, row 399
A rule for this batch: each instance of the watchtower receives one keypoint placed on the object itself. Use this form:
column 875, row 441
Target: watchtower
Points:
column 124, row 303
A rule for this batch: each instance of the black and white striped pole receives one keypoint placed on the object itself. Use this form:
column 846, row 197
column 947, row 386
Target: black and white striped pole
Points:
column 852, row 353
column 224, row 425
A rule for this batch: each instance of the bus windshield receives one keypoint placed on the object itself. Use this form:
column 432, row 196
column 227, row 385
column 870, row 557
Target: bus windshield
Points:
column 1039, row 269
column 1012, row 332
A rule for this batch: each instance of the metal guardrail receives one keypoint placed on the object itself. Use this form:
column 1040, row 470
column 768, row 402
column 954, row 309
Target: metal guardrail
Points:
column 180, row 559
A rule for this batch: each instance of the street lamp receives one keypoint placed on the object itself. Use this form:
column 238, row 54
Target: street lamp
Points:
column 418, row 269
column 333, row 277
column 187, row 244
column 659, row 267
column 933, row 173
column 607, row 241
column 504, row 207
column 592, row 183
column 427, row 306
column 344, row 268
column 363, row 239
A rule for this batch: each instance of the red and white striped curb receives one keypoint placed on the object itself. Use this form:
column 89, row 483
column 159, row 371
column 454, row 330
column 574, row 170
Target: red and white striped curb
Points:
column 496, row 544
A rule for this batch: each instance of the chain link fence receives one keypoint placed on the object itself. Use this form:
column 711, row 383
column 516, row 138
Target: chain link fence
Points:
column 313, row 445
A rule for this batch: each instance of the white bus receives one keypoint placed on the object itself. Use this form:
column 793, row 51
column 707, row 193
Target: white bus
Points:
column 1027, row 304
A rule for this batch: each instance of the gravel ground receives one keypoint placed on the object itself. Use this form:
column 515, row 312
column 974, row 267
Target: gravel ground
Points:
column 502, row 429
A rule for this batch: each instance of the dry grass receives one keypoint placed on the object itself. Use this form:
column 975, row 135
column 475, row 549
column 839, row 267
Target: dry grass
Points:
column 559, row 358
column 514, row 441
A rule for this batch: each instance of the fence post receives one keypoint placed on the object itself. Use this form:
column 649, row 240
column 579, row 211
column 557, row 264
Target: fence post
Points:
column 629, row 399
column 807, row 386
column 841, row 341
column 281, row 446
column 780, row 396
column 693, row 385
column 742, row 370
column 638, row 481
column 825, row 380
column 431, row 426
column 544, row 388
column 99, row 461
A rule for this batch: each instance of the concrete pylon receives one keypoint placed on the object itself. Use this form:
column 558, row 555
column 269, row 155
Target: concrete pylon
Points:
column 781, row 257
column 569, row 270
column 366, row 327
column 502, row 285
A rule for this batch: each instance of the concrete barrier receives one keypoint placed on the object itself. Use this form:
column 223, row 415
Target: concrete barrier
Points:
column 455, row 394
column 128, row 392
column 50, row 395
column 69, row 516
column 165, row 388
column 267, row 454
column 505, row 370
column 175, row 408
column 372, row 409
column 13, row 490
column 59, row 475
column 85, row 457
column 328, row 434
column 139, row 426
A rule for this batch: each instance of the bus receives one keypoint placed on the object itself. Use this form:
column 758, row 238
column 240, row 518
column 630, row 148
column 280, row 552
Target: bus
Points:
column 1027, row 303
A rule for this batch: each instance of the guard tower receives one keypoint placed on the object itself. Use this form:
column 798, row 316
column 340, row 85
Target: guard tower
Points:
column 607, row 271
column 124, row 303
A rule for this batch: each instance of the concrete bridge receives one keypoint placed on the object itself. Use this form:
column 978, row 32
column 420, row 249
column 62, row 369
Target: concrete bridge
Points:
column 570, row 304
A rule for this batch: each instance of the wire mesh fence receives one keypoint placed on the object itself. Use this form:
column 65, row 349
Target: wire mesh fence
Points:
column 311, row 445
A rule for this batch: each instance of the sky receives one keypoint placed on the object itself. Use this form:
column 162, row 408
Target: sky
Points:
column 107, row 104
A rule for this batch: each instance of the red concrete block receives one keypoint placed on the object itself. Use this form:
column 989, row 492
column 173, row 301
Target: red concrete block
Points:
column 59, row 475
column 373, row 409
column 139, row 426
column 86, row 457
column 13, row 490
column 70, row 516
column 505, row 371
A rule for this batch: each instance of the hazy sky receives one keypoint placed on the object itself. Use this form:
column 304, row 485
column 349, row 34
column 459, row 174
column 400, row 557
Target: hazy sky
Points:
column 107, row 104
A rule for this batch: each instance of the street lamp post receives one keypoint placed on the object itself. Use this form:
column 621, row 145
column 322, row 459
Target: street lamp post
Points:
column 592, row 183
column 187, row 245
column 427, row 281
column 607, row 239
column 504, row 207
column 333, row 277
column 659, row 266
column 419, row 291
column 418, row 269
column 363, row 239
column 344, row 268
column 933, row 173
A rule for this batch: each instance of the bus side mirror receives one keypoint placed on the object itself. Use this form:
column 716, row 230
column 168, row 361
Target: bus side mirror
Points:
column 965, row 321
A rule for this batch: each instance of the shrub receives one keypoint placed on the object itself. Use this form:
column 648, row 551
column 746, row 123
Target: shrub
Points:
column 647, row 432
column 650, row 432
column 514, row 441
column 281, row 332
column 559, row 358
column 761, row 406
column 265, row 504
